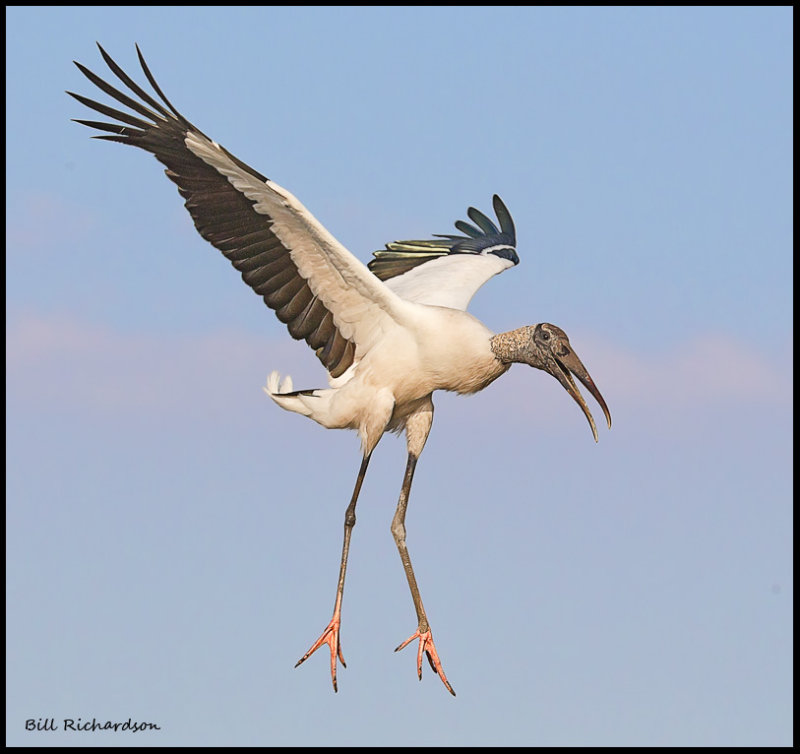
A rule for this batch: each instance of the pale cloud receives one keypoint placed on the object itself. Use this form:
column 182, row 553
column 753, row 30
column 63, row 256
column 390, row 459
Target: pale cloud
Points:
column 63, row 363
column 709, row 368
column 66, row 364
column 44, row 222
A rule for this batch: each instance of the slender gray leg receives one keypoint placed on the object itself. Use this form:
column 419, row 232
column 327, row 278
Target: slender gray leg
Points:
column 423, row 632
column 330, row 635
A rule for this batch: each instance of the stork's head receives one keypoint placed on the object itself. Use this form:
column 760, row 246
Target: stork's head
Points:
column 547, row 347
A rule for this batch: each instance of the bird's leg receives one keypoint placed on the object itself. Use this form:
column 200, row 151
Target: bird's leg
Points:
column 330, row 635
column 423, row 632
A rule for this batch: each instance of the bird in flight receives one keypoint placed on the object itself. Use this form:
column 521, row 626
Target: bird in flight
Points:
column 389, row 333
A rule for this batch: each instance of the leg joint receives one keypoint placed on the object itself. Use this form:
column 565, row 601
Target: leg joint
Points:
column 398, row 530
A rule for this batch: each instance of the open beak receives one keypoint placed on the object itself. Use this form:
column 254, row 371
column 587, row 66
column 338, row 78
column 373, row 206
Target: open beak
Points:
column 563, row 366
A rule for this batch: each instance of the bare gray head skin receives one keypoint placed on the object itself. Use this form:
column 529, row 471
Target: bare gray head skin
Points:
column 547, row 347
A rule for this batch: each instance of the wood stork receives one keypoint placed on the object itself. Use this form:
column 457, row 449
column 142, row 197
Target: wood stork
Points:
column 389, row 334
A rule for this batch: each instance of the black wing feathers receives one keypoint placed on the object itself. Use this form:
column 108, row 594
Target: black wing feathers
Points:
column 221, row 214
column 401, row 256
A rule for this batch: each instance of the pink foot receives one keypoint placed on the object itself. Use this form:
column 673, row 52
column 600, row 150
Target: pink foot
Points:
column 330, row 636
column 426, row 646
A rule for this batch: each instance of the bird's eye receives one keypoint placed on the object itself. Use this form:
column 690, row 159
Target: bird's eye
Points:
column 545, row 335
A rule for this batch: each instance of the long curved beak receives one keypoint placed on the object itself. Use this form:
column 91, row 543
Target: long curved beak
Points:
column 562, row 368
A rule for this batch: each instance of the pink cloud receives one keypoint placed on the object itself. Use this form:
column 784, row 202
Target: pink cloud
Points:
column 62, row 363
column 709, row 369
column 34, row 218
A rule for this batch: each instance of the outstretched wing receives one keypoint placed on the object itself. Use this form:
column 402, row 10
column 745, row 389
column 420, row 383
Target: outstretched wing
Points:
column 324, row 294
column 449, row 269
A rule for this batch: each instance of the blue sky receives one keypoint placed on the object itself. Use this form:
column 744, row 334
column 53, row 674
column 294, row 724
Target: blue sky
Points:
column 173, row 537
